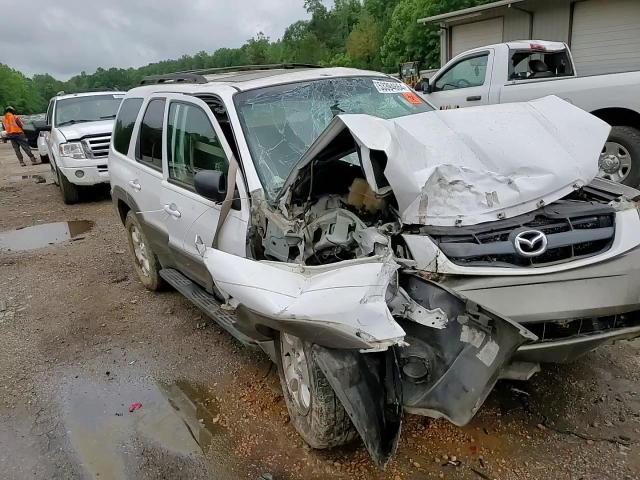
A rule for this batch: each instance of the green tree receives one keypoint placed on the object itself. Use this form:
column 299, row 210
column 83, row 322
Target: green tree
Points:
column 406, row 40
column 19, row 91
column 257, row 49
column 363, row 44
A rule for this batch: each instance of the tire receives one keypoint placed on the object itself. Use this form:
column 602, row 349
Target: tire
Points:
column 629, row 139
column 70, row 192
column 145, row 262
column 323, row 422
column 44, row 158
column 54, row 172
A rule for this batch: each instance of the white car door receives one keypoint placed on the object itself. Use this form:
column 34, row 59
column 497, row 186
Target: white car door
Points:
column 465, row 83
column 136, row 161
column 194, row 141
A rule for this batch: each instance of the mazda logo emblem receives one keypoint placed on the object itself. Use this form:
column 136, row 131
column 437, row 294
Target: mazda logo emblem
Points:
column 530, row 243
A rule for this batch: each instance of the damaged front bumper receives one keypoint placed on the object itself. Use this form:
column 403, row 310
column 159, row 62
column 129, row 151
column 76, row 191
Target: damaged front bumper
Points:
column 386, row 339
column 572, row 312
column 442, row 372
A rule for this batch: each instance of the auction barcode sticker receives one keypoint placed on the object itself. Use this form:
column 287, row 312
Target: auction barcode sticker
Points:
column 390, row 87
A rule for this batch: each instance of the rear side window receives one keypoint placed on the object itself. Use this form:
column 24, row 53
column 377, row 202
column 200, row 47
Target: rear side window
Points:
column 149, row 151
column 529, row 64
column 124, row 124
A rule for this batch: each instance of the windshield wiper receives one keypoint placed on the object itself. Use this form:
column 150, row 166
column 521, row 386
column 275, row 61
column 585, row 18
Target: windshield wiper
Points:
column 72, row 122
column 108, row 116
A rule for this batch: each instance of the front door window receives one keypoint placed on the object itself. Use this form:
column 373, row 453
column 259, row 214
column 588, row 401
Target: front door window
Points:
column 469, row 72
column 192, row 144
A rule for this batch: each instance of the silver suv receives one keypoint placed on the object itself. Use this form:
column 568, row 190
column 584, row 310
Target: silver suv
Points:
column 387, row 256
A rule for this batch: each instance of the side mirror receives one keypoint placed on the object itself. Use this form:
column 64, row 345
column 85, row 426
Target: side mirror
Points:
column 44, row 128
column 211, row 184
column 423, row 86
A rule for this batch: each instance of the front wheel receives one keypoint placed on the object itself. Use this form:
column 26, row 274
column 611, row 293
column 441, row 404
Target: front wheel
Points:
column 70, row 192
column 620, row 157
column 314, row 409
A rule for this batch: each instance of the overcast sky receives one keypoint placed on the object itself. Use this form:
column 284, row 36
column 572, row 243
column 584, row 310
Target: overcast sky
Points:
column 65, row 37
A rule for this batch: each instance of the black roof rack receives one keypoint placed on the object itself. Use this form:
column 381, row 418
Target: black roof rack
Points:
column 198, row 76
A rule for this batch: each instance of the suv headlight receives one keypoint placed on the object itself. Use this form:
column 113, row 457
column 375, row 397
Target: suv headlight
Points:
column 72, row 149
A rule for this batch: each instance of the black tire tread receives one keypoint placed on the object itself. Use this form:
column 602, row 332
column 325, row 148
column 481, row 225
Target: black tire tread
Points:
column 327, row 424
column 70, row 192
column 154, row 282
column 630, row 138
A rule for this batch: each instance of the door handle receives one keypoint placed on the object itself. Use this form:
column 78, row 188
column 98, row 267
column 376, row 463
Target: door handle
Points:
column 200, row 246
column 474, row 98
column 172, row 210
column 135, row 185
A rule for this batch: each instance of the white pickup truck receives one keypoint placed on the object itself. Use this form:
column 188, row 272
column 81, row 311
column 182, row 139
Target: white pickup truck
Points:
column 530, row 69
column 76, row 139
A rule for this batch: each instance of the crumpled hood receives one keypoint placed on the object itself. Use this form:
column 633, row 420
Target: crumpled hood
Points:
column 80, row 130
column 474, row 165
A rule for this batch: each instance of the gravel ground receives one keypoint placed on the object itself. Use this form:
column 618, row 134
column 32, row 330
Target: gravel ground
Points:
column 81, row 341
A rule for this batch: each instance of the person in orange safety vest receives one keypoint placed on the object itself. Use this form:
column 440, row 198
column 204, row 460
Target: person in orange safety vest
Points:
column 14, row 133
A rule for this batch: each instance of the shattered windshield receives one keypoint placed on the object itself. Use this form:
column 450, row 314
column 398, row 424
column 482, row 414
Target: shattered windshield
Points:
column 281, row 122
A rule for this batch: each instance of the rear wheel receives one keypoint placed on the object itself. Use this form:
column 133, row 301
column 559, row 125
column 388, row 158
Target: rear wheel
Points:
column 620, row 157
column 314, row 409
column 145, row 261
column 70, row 192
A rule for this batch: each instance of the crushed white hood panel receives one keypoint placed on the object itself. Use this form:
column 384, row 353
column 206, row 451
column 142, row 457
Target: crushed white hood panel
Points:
column 349, row 296
column 474, row 165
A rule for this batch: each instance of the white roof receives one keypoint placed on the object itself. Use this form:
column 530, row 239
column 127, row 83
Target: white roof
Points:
column 87, row 94
column 531, row 44
column 542, row 45
column 248, row 80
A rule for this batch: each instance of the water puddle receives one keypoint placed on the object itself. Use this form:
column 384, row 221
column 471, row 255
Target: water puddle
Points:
column 178, row 423
column 37, row 178
column 39, row 236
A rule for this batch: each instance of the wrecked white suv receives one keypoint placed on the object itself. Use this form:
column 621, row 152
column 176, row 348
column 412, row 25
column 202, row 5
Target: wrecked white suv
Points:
column 386, row 256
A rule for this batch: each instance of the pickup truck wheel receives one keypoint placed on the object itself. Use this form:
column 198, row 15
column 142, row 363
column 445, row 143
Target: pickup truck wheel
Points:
column 620, row 157
column 70, row 192
column 314, row 409
column 145, row 261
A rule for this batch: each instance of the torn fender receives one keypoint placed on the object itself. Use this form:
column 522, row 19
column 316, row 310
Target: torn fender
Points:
column 449, row 372
column 348, row 297
column 368, row 386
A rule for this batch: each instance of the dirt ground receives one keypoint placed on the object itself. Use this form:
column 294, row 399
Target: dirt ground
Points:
column 81, row 341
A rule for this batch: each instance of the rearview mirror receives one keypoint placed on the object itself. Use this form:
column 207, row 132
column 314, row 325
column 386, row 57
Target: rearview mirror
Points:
column 211, row 184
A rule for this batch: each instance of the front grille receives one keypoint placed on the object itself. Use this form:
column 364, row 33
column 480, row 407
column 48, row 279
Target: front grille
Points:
column 573, row 231
column 550, row 331
column 98, row 146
